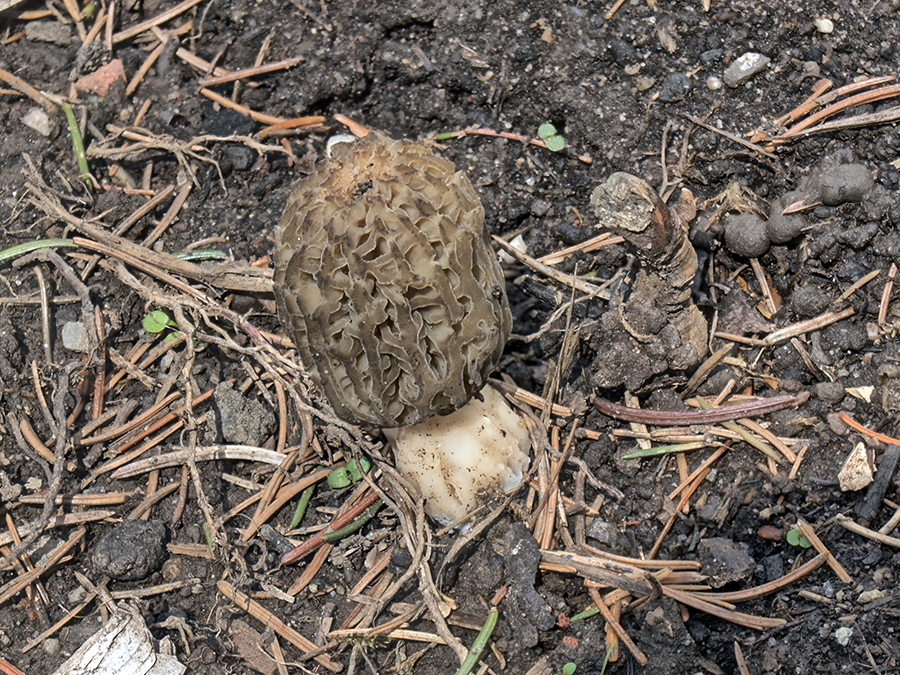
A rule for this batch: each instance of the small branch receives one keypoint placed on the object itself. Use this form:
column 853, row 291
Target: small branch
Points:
column 688, row 418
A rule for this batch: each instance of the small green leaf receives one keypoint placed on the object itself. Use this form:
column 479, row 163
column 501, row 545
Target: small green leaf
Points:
column 795, row 538
column 156, row 321
column 568, row 669
column 339, row 478
column 555, row 143
column 589, row 612
column 356, row 471
column 546, row 130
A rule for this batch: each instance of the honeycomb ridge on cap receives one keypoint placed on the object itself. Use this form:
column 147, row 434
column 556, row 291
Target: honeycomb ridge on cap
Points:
column 386, row 280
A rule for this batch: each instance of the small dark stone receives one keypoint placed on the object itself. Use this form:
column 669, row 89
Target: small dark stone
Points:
column 829, row 392
column 401, row 558
column 774, row 567
column 131, row 550
column 698, row 630
column 725, row 560
column 809, row 301
column 237, row 158
column 622, row 52
column 674, row 88
column 711, row 55
column 745, row 235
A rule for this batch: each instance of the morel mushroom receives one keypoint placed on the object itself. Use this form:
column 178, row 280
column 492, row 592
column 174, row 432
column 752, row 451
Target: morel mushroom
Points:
column 386, row 280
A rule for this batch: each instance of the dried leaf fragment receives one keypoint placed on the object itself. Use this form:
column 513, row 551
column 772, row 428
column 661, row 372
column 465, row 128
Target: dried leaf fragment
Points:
column 857, row 470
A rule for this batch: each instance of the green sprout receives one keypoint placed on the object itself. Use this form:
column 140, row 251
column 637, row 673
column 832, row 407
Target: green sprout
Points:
column 78, row 146
column 29, row 246
column 795, row 538
column 345, row 476
column 158, row 321
column 551, row 137
column 480, row 643
column 609, row 652
column 589, row 612
column 568, row 669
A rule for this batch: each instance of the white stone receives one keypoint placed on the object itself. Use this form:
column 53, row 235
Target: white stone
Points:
column 824, row 25
column 744, row 67
column 73, row 336
column 39, row 120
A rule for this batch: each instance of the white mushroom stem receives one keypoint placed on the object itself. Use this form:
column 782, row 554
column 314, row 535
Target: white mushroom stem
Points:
column 458, row 461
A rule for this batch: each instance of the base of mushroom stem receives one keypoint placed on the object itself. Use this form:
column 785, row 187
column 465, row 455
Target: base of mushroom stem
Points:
column 459, row 461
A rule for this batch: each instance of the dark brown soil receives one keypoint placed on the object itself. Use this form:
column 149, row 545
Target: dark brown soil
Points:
column 619, row 91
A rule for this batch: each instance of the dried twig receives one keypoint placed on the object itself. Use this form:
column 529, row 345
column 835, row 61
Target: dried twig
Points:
column 159, row 19
column 807, row 531
column 848, row 524
column 268, row 619
column 687, row 418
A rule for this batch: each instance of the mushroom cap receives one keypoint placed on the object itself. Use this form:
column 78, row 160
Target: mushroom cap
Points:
column 386, row 280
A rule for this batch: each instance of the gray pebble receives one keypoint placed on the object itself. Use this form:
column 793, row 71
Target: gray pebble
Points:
column 725, row 560
column 48, row 31
column 243, row 420
column 844, row 183
column 238, row 157
column 829, row 392
column 73, row 336
column 603, row 531
column 745, row 235
column 539, row 207
column 131, row 550
column 809, row 301
column 674, row 88
column 744, row 67
column 711, row 55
